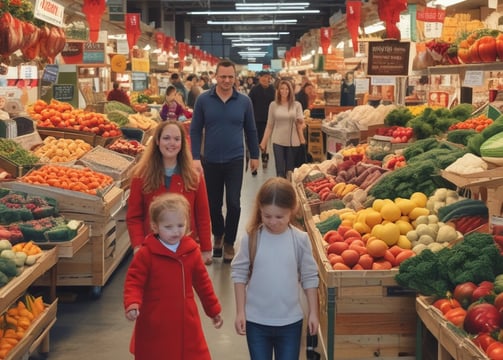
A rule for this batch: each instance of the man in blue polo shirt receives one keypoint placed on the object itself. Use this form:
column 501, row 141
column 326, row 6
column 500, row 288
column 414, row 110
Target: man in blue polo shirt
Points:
column 226, row 117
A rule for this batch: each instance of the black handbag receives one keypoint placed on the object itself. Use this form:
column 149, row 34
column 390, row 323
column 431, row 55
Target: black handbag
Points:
column 311, row 345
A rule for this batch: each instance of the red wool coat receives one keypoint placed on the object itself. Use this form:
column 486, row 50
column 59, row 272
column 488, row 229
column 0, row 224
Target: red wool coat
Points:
column 162, row 283
column 137, row 218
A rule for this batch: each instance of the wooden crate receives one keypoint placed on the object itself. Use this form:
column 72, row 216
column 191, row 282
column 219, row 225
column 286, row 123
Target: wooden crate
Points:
column 485, row 185
column 96, row 261
column 451, row 344
column 35, row 334
column 87, row 136
column 74, row 204
column 363, row 314
column 67, row 249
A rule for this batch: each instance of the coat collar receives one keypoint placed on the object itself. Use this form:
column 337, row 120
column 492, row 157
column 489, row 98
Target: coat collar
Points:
column 186, row 245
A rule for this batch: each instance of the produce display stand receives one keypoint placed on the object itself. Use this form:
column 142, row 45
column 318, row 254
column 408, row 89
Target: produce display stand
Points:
column 451, row 343
column 485, row 185
column 67, row 249
column 108, row 241
column 363, row 314
column 37, row 335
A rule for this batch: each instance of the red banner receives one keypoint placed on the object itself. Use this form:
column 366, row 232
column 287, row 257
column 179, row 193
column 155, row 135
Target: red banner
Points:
column 353, row 19
column 94, row 10
column 325, row 39
column 133, row 30
column 431, row 15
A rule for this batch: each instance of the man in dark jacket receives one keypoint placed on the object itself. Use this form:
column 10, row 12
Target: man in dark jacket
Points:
column 261, row 96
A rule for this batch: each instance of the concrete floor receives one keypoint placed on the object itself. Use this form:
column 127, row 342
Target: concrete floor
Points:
column 96, row 328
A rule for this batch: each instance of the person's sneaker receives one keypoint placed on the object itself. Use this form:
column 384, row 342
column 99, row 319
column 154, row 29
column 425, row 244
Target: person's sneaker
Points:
column 218, row 242
column 228, row 253
column 254, row 173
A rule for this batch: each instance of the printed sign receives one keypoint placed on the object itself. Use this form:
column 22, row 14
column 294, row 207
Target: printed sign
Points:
column 63, row 92
column 49, row 11
column 388, row 58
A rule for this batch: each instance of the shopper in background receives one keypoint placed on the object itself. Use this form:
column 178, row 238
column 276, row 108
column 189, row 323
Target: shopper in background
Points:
column 272, row 258
column 171, row 109
column 204, row 82
column 249, row 84
column 166, row 166
column 193, row 90
column 306, row 95
column 348, row 90
column 285, row 126
column 176, row 81
column 117, row 94
column 226, row 117
column 158, row 291
column 261, row 96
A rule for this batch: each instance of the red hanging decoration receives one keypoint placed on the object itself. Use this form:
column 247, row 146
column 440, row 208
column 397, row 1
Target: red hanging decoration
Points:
column 133, row 30
column 159, row 37
column 94, row 10
column 169, row 44
column 353, row 18
column 389, row 12
column 182, row 52
column 325, row 39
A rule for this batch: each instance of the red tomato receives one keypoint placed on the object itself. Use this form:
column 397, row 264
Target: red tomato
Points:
column 463, row 293
column 495, row 351
column 456, row 316
column 499, row 46
column 444, row 305
column 482, row 317
column 483, row 340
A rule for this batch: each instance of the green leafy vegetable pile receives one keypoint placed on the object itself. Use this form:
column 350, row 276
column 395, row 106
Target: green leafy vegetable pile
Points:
column 476, row 259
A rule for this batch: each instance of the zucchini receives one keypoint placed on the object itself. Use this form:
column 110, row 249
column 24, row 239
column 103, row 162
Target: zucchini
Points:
column 331, row 223
column 465, row 207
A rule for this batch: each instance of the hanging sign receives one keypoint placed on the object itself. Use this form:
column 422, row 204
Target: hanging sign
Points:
column 140, row 64
column 473, row 78
column 388, row 58
column 94, row 53
column 50, row 73
column 50, row 12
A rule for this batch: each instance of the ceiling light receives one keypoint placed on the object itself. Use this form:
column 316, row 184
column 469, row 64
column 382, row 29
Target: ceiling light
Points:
column 253, row 12
column 255, row 39
column 299, row 5
column 250, row 44
column 253, row 22
column 273, row 33
column 254, row 48
column 443, row 3
column 378, row 26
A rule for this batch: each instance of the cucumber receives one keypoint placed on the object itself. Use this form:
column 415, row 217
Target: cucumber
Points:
column 465, row 207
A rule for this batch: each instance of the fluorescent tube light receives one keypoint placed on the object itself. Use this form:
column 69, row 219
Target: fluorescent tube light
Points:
column 300, row 5
column 249, row 44
column 253, row 22
column 253, row 12
column 443, row 3
column 272, row 33
column 255, row 39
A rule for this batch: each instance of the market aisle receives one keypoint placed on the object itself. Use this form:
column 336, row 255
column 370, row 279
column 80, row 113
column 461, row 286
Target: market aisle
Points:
column 97, row 329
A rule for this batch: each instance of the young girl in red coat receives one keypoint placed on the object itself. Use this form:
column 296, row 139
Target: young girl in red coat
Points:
column 158, row 291
column 166, row 166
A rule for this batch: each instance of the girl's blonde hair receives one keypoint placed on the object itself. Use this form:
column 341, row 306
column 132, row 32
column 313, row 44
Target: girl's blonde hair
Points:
column 170, row 202
column 290, row 98
column 276, row 191
column 151, row 166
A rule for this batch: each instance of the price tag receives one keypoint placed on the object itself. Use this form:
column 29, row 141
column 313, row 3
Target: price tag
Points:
column 63, row 92
column 473, row 78
column 28, row 72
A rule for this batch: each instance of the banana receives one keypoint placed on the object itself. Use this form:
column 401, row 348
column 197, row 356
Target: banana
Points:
column 338, row 188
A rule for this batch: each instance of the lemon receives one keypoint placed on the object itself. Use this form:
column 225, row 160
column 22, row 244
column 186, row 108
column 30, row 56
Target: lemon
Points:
column 373, row 218
column 403, row 242
column 377, row 204
column 404, row 226
column 406, row 205
column 361, row 227
column 391, row 212
column 419, row 198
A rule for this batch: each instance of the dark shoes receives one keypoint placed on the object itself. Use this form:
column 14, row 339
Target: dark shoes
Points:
column 218, row 243
column 254, row 173
column 228, row 253
column 265, row 160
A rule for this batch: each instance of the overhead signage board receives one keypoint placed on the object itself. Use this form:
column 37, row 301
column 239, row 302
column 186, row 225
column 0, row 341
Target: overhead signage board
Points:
column 388, row 58
column 50, row 12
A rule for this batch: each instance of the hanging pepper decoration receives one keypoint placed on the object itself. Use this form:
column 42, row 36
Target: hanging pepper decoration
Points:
column 325, row 39
column 133, row 31
column 94, row 10
column 389, row 12
column 353, row 18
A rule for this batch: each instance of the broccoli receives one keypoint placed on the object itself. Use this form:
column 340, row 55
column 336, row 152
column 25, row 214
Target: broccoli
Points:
column 462, row 111
column 418, row 147
column 474, row 259
column 422, row 129
column 398, row 117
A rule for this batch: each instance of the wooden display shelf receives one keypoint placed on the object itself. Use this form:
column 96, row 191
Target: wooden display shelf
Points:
column 36, row 334
column 363, row 314
column 95, row 262
column 451, row 343
column 485, row 185
column 67, row 249
column 15, row 288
